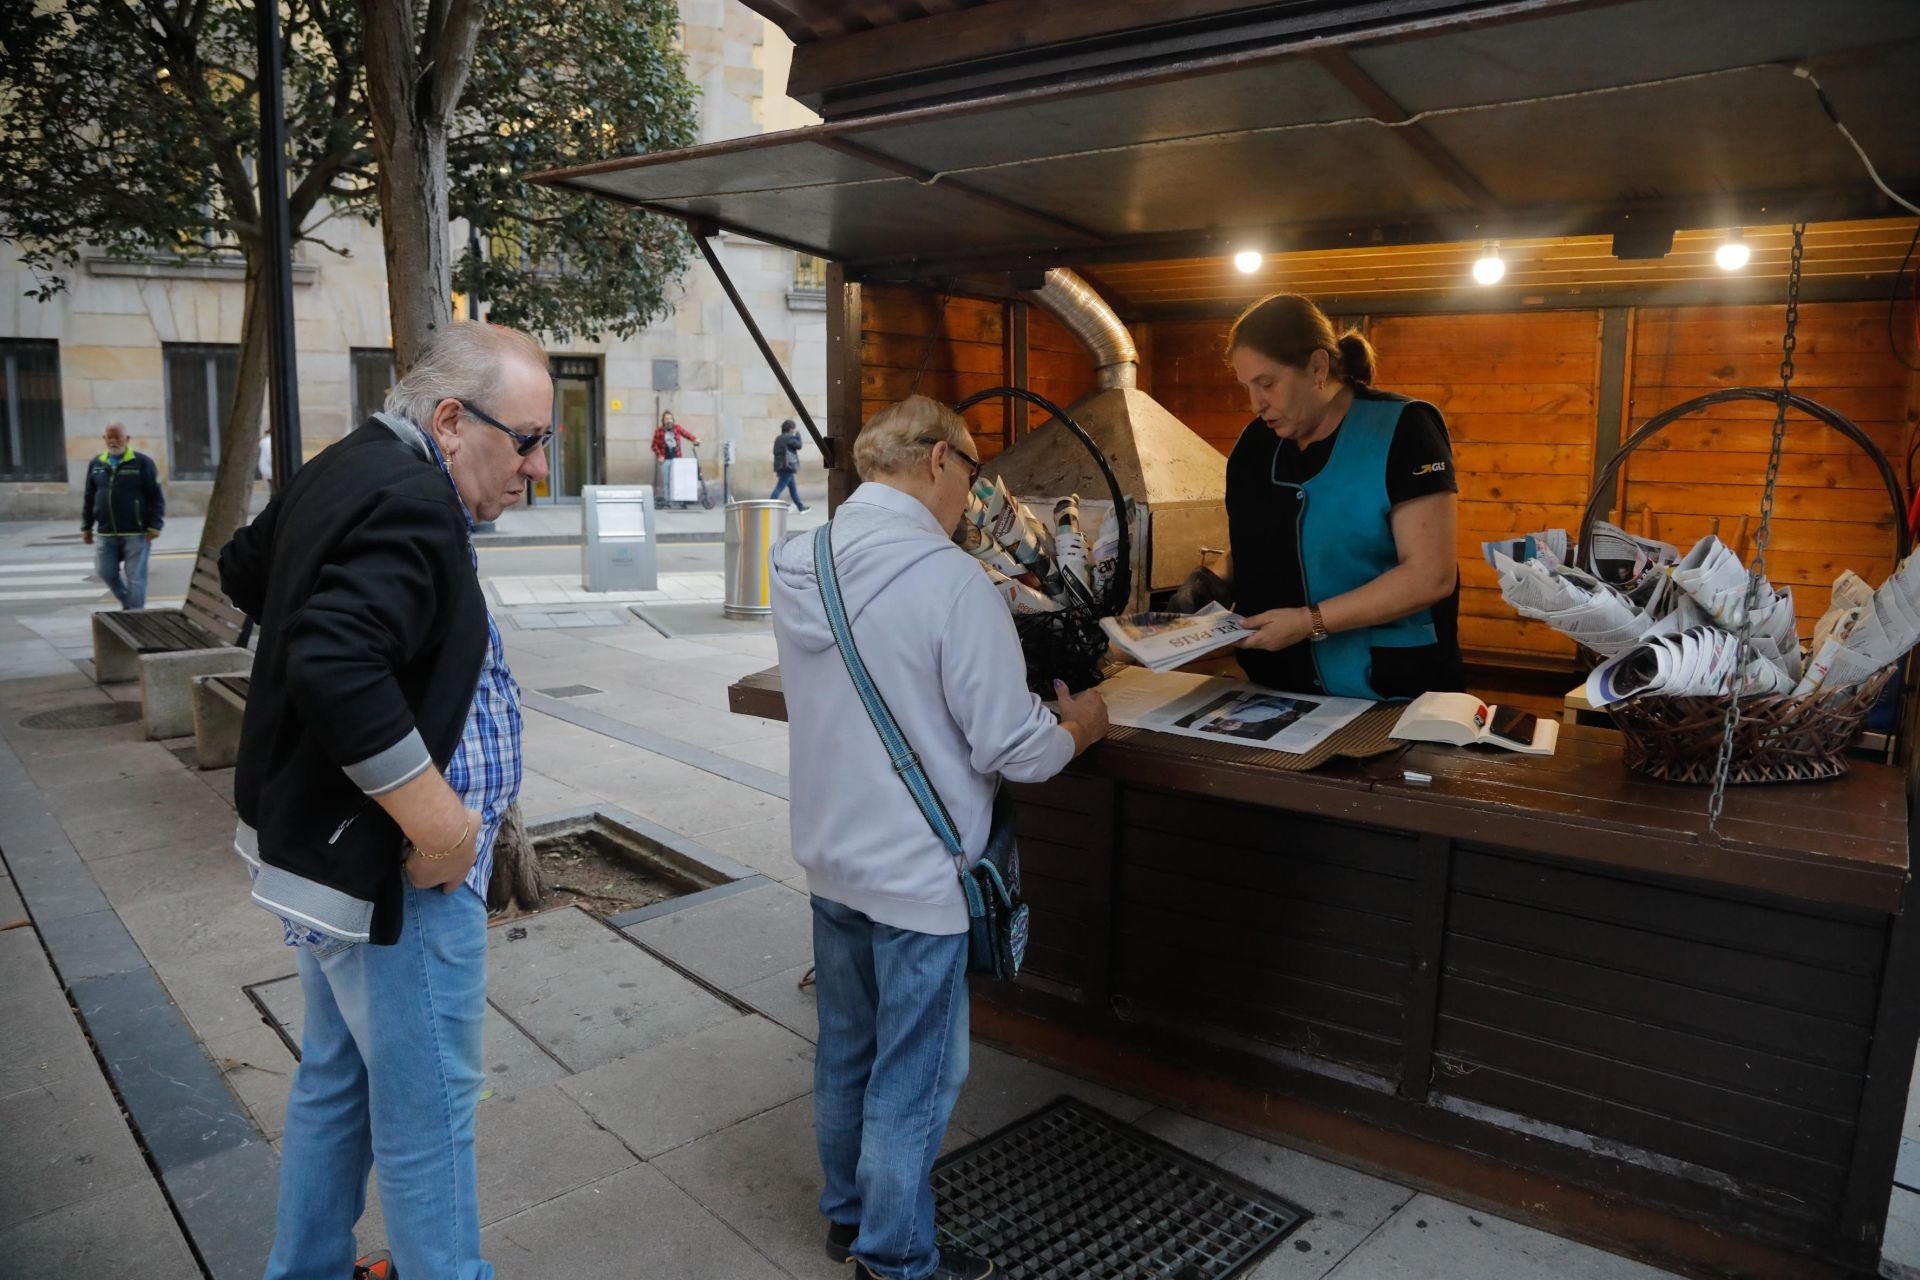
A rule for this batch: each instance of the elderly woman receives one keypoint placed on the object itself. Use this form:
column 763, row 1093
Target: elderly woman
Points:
column 889, row 918
column 1341, row 510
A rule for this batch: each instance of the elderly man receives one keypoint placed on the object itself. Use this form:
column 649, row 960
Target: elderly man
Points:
column 889, row 918
column 380, row 749
column 124, row 509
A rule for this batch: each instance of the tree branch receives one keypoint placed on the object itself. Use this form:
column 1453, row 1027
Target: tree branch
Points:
column 453, row 57
column 330, row 247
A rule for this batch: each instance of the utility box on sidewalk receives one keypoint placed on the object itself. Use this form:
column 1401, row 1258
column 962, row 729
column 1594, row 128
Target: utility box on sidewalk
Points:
column 618, row 544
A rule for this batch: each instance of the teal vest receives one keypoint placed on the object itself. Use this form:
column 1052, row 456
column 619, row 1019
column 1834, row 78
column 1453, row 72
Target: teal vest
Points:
column 1346, row 541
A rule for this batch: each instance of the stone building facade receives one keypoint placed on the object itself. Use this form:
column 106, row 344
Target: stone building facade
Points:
column 152, row 345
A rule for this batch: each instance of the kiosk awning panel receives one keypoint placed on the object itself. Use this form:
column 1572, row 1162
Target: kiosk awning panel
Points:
column 1682, row 112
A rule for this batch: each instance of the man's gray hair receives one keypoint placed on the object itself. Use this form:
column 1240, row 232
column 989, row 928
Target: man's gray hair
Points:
column 895, row 438
column 462, row 363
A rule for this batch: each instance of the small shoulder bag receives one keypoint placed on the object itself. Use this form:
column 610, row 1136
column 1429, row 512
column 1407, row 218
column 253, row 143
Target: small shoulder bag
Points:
column 997, row 918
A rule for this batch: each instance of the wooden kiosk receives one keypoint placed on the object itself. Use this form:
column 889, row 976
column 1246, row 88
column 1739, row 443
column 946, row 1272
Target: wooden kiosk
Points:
column 1539, row 984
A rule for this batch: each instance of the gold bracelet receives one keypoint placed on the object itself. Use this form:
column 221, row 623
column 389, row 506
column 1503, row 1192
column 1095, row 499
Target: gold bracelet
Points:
column 465, row 831
column 1319, row 631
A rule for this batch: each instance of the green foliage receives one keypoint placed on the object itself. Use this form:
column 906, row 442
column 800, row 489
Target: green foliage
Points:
column 557, row 84
column 133, row 127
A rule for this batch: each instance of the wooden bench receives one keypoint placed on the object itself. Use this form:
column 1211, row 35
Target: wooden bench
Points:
column 219, row 706
column 165, row 648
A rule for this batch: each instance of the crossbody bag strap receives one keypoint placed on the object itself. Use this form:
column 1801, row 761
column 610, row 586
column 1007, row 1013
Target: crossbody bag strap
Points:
column 906, row 762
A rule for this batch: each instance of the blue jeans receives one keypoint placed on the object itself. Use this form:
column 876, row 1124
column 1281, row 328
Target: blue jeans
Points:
column 888, row 1069
column 390, row 1073
column 785, row 480
column 114, row 554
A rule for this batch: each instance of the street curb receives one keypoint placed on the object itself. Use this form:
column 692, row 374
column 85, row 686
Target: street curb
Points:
column 764, row 781
column 216, row 1168
column 509, row 540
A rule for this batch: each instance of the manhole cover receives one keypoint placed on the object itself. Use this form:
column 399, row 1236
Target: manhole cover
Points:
column 571, row 691
column 87, row 715
column 1069, row 1191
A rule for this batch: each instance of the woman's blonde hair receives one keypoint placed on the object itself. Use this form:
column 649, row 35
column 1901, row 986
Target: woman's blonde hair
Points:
column 893, row 439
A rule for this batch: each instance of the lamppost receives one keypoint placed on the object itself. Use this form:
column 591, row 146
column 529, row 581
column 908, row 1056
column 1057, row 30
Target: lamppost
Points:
column 276, row 282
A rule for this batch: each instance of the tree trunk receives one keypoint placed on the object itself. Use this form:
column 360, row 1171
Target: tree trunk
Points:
column 240, row 433
column 410, row 144
column 516, row 867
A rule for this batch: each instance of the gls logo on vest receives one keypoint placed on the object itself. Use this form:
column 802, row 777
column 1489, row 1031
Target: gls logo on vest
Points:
column 1430, row 468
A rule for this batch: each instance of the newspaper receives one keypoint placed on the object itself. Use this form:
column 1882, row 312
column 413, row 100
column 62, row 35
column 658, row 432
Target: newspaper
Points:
column 1863, row 633
column 1163, row 641
column 1670, row 624
column 1583, row 607
column 1217, row 710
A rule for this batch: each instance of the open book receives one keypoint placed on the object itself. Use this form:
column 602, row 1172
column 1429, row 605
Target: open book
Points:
column 1163, row 641
column 1464, row 721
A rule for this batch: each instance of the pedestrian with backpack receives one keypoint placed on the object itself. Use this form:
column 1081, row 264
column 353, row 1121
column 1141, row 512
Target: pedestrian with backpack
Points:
column 786, row 463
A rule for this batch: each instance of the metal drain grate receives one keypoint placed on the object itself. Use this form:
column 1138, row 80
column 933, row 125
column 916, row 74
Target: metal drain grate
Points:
column 1070, row 1192
column 571, row 691
column 87, row 715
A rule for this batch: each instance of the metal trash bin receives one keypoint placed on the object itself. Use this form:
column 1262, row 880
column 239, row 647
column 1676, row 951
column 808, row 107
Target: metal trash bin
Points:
column 752, row 529
column 617, row 549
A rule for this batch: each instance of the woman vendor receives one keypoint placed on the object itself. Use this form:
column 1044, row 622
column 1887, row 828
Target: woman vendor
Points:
column 1341, row 510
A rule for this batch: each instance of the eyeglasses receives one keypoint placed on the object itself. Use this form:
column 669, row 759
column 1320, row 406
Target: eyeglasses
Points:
column 973, row 463
column 523, row 444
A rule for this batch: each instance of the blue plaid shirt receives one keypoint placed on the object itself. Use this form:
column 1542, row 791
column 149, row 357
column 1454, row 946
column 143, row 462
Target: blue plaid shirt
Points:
column 485, row 768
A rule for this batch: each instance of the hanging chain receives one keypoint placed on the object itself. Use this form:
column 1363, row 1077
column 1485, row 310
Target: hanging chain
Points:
column 1757, row 575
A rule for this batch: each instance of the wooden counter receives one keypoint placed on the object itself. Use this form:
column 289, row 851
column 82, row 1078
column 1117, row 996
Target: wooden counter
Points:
column 1541, row 962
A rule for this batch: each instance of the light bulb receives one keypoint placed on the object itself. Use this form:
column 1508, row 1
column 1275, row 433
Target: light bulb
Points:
column 1733, row 252
column 1490, row 267
column 1248, row 261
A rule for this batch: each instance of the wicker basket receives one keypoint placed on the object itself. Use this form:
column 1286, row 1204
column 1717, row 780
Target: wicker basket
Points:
column 1068, row 644
column 1779, row 738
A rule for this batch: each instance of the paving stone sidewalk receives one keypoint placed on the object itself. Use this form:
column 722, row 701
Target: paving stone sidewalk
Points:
column 648, row 1112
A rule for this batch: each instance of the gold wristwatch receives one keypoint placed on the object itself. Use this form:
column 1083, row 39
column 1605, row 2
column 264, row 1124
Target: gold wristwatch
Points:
column 1319, row 631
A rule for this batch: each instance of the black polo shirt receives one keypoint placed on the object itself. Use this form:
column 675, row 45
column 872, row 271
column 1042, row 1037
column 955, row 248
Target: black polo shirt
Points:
column 1263, row 525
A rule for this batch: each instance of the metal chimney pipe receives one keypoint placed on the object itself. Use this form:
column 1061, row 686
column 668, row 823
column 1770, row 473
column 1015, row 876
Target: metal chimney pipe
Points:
column 1073, row 301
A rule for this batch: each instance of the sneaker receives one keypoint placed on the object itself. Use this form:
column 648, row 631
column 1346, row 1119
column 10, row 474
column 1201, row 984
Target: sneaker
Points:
column 840, row 1237
column 376, row 1266
column 953, row 1265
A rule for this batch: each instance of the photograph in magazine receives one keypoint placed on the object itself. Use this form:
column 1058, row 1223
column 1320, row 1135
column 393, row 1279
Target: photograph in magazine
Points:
column 1256, row 717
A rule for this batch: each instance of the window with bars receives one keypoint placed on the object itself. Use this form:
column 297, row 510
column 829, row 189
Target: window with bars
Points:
column 200, row 381
column 372, row 379
column 33, row 432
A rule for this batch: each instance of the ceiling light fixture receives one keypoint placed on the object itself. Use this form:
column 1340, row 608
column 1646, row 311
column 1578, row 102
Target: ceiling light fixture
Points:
column 1248, row 261
column 1733, row 252
column 1490, row 267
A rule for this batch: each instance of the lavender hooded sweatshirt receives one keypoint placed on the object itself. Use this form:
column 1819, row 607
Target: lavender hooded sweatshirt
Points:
column 942, row 649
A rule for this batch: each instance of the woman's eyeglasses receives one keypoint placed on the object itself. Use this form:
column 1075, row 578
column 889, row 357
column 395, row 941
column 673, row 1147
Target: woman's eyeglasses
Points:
column 523, row 444
column 973, row 463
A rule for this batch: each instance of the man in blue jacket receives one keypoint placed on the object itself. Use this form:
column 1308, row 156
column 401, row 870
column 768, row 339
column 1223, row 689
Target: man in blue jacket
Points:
column 124, row 509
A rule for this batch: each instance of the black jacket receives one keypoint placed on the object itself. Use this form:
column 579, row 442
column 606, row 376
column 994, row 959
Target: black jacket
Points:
column 373, row 630
column 786, row 451
column 123, row 494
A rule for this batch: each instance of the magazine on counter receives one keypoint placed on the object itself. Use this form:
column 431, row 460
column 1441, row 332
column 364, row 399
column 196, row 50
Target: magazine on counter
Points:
column 1218, row 710
column 1163, row 641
